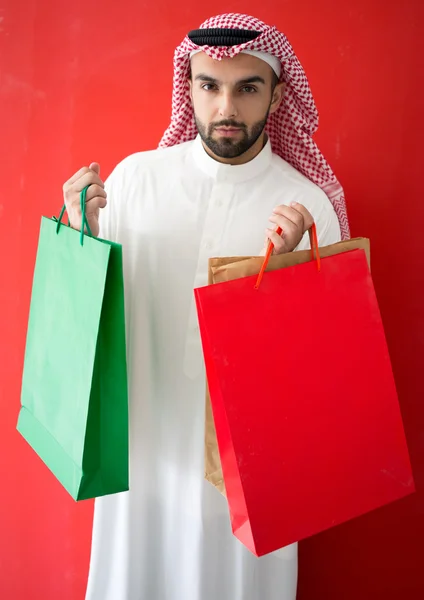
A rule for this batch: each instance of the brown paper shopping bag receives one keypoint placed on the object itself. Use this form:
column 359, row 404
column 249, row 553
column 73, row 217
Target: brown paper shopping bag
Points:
column 229, row 268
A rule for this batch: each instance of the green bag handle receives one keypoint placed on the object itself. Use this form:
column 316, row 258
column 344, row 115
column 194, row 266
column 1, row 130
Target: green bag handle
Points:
column 84, row 224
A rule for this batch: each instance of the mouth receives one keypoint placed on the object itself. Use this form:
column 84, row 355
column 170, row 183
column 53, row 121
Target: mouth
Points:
column 228, row 131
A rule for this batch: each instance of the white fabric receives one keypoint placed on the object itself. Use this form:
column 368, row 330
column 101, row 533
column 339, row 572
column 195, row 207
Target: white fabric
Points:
column 271, row 60
column 169, row 537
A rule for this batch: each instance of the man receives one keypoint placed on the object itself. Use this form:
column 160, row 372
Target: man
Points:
column 241, row 102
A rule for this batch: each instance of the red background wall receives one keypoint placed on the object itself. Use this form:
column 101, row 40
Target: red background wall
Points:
column 86, row 80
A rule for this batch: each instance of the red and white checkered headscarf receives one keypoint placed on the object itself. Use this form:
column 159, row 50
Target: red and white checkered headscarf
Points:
column 290, row 128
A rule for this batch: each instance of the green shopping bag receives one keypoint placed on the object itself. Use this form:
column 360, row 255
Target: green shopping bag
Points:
column 74, row 396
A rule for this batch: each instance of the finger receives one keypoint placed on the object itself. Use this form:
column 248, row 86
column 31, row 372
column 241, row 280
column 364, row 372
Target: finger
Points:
column 90, row 178
column 93, row 205
column 265, row 245
column 277, row 241
column 308, row 219
column 95, row 190
column 76, row 176
column 289, row 213
column 289, row 228
column 95, row 167
column 84, row 172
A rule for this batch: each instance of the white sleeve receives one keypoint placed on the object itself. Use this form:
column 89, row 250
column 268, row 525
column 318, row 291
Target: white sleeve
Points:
column 328, row 228
column 108, row 218
column 327, row 223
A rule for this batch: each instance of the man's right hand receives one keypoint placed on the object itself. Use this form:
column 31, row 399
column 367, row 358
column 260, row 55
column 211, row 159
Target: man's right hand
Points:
column 95, row 200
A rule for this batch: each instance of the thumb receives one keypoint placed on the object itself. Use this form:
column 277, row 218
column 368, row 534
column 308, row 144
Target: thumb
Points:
column 95, row 167
column 308, row 219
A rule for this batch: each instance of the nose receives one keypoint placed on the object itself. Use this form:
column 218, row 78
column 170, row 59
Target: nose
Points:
column 227, row 107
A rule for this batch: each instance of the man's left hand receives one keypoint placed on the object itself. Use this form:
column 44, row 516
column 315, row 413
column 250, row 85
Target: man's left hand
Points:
column 294, row 220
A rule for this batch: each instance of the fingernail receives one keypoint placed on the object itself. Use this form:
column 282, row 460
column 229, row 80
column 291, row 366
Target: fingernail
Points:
column 293, row 203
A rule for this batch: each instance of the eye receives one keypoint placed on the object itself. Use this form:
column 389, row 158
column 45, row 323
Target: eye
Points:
column 248, row 89
column 208, row 87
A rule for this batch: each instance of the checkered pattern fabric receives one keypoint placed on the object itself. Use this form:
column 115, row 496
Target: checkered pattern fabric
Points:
column 290, row 128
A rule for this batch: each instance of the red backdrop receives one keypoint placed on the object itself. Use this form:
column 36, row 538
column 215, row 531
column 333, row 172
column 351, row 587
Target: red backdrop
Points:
column 83, row 81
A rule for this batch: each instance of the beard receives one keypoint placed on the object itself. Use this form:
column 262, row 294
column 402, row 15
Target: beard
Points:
column 226, row 147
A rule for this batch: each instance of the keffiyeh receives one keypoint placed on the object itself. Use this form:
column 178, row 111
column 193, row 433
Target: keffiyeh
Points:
column 290, row 128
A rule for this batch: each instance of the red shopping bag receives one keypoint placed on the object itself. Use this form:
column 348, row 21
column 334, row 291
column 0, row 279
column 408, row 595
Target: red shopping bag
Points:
column 307, row 418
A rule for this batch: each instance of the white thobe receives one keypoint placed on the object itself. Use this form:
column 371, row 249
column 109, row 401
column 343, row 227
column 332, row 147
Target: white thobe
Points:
column 169, row 537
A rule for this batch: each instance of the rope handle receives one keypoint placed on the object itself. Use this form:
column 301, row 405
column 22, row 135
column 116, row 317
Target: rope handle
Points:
column 84, row 224
column 313, row 237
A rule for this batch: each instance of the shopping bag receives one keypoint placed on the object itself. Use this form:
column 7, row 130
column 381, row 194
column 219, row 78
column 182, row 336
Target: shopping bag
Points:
column 229, row 268
column 304, row 403
column 74, row 400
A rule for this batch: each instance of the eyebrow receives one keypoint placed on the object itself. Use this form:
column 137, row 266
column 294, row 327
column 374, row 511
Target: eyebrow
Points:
column 247, row 80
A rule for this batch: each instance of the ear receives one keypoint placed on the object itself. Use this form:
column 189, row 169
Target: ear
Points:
column 277, row 97
column 190, row 85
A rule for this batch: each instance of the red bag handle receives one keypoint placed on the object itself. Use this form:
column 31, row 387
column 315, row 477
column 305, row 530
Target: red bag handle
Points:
column 313, row 237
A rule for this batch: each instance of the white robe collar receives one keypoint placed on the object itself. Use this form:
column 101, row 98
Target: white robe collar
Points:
column 231, row 173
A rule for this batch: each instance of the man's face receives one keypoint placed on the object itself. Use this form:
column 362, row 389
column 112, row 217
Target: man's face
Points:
column 232, row 99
